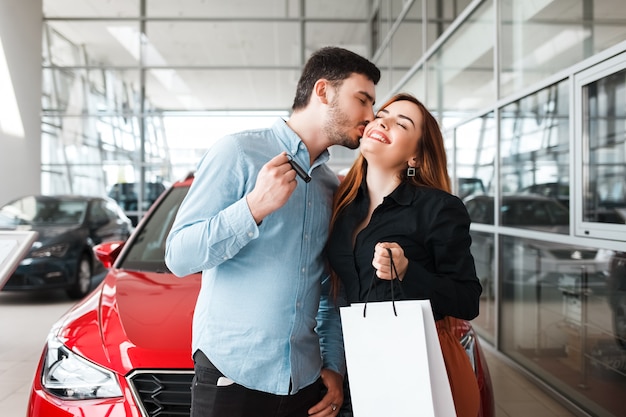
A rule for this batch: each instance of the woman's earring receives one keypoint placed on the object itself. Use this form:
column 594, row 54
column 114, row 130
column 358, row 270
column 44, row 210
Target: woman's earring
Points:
column 410, row 171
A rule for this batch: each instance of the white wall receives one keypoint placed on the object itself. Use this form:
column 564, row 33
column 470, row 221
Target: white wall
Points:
column 20, row 98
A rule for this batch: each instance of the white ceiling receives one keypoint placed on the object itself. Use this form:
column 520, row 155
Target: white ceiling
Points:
column 247, row 54
column 205, row 54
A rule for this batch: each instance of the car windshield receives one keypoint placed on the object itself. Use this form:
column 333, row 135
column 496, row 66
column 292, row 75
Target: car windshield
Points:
column 147, row 249
column 46, row 211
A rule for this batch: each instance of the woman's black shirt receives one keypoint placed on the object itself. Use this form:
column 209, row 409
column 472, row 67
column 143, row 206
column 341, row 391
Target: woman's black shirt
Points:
column 432, row 227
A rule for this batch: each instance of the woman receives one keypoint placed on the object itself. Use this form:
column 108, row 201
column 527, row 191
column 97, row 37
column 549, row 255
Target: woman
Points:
column 395, row 205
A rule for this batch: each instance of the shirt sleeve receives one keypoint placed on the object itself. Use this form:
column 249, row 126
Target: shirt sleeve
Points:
column 214, row 221
column 329, row 330
column 450, row 281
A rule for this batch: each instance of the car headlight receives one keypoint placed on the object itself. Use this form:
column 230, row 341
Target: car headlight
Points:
column 58, row 251
column 69, row 376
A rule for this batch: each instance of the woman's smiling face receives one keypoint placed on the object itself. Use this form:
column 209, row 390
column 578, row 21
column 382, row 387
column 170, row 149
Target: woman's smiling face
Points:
column 390, row 140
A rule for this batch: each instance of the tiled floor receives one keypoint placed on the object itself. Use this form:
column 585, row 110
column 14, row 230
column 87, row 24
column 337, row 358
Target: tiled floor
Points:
column 516, row 396
column 26, row 319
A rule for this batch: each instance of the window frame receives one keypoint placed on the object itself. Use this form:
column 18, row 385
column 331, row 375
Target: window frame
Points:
column 583, row 228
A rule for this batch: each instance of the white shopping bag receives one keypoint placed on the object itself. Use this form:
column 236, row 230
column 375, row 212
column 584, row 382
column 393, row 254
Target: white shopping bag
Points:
column 395, row 365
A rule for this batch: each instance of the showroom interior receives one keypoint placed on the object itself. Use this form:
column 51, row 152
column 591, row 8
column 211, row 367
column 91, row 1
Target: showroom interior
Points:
column 530, row 96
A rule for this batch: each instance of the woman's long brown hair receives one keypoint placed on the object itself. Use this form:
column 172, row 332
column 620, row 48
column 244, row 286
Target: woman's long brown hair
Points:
column 432, row 166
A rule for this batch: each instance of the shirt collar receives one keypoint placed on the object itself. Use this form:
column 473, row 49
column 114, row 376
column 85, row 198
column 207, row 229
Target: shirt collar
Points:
column 293, row 143
column 403, row 194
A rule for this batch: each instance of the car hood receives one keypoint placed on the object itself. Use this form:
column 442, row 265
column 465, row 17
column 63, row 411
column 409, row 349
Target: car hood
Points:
column 46, row 234
column 135, row 320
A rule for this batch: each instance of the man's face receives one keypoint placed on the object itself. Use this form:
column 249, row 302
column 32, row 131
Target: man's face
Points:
column 350, row 110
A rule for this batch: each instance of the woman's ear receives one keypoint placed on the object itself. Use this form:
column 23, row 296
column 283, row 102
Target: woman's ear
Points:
column 413, row 162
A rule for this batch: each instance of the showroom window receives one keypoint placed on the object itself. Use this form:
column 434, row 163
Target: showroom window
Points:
column 561, row 319
column 541, row 38
column 535, row 152
column 601, row 138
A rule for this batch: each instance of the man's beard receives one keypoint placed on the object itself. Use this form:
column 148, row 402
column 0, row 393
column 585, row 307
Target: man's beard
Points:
column 337, row 127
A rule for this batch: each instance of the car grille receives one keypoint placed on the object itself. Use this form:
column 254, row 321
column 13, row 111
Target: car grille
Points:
column 162, row 393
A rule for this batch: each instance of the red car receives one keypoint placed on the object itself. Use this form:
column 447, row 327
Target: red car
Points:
column 124, row 350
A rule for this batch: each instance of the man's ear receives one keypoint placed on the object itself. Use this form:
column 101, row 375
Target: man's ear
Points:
column 321, row 90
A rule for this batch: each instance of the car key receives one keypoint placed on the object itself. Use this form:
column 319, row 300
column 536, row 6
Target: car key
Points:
column 299, row 170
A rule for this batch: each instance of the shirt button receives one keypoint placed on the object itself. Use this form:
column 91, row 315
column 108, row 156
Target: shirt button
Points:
column 303, row 269
column 250, row 234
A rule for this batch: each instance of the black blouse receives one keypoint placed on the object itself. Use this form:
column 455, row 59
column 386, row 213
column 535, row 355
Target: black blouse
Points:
column 432, row 227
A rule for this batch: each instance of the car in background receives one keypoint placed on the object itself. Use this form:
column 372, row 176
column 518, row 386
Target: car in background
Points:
column 556, row 190
column 68, row 228
column 550, row 265
column 469, row 186
column 527, row 211
column 126, row 194
column 125, row 350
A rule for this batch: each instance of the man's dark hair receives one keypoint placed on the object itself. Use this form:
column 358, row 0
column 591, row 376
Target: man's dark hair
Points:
column 335, row 65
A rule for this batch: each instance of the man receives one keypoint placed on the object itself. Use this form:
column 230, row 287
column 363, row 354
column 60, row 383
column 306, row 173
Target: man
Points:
column 266, row 338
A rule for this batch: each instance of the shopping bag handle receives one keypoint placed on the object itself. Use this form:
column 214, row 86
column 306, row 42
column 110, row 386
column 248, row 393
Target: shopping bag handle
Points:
column 394, row 271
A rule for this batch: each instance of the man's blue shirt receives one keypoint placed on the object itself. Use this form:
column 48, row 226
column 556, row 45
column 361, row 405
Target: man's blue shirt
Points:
column 258, row 316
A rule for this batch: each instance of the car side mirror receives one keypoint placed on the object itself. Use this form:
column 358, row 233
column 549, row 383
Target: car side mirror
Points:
column 108, row 252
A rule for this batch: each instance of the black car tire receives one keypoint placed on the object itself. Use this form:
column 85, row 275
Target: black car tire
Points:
column 82, row 282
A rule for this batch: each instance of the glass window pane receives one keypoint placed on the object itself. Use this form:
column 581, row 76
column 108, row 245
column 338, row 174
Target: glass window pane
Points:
column 483, row 252
column 461, row 74
column 535, row 154
column 190, row 135
column 416, row 85
column 124, row 185
column 88, row 92
column 475, row 157
column 604, row 166
column 389, row 11
column 406, row 44
column 441, row 14
column 77, row 151
column 558, row 319
column 616, row 282
column 540, row 38
column 404, row 49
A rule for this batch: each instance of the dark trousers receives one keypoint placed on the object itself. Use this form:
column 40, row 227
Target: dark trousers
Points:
column 210, row 400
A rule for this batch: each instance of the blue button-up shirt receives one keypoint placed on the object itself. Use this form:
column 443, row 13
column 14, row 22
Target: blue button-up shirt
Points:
column 258, row 315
